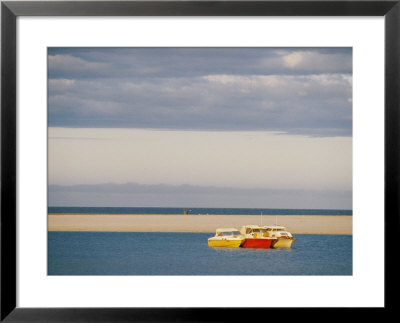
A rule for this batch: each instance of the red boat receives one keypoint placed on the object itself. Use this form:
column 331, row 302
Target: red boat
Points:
column 256, row 237
column 264, row 243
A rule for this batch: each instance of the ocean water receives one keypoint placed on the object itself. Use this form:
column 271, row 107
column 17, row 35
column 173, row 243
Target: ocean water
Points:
column 179, row 210
column 148, row 253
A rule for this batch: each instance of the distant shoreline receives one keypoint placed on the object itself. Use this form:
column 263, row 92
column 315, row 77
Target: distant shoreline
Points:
column 300, row 224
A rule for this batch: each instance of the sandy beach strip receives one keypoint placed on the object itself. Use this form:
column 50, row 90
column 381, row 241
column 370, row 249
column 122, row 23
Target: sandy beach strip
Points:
column 301, row 224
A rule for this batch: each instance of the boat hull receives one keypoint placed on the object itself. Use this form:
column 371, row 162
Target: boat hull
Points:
column 225, row 243
column 257, row 243
column 283, row 243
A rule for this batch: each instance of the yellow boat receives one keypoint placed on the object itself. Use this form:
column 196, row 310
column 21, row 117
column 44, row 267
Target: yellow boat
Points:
column 226, row 238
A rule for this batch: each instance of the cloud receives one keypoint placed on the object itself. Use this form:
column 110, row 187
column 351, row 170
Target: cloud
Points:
column 293, row 59
column 69, row 64
column 300, row 91
column 317, row 62
column 190, row 62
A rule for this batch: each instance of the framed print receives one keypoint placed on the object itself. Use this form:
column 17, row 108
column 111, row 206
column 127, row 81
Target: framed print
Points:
column 158, row 156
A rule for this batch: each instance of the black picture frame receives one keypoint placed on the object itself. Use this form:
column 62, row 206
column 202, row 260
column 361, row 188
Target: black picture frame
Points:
column 10, row 10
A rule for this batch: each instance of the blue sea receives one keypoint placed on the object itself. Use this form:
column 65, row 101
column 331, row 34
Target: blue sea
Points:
column 179, row 210
column 148, row 253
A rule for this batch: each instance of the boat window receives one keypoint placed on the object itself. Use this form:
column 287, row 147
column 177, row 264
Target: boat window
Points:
column 231, row 233
column 259, row 230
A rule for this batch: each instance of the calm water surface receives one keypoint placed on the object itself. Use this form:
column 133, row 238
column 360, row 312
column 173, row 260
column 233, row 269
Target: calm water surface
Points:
column 145, row 253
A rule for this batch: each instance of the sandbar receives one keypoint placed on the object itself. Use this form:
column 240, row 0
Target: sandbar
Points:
column 300, row 224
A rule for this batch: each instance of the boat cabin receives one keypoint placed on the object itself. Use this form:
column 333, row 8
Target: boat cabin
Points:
column 227, row 232
column 274, row 228
column 251, row 229
column 277, row 231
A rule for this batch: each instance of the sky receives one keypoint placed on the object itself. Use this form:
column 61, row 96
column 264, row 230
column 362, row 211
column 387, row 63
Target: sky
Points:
column 200, row 127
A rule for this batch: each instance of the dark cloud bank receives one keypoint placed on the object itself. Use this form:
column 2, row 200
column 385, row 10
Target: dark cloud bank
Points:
column 296, row 90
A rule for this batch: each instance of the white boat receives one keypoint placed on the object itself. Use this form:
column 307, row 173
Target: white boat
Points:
column 283, row 238
column 226, row 238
